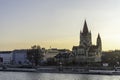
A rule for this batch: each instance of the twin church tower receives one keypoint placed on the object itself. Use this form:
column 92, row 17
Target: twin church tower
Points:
column 86, row 52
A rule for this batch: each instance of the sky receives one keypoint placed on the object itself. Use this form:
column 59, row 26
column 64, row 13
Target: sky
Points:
column 57, row 23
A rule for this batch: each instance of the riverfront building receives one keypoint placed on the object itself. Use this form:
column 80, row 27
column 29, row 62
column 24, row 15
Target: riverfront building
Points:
column 19, row 57
column 5, row 57
column 86, row 52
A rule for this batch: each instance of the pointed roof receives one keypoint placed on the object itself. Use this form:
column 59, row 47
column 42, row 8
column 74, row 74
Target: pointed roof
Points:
column 98, row 36
column 85, row 28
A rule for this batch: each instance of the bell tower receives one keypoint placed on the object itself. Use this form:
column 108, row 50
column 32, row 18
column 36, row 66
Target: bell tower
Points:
column 85, row 36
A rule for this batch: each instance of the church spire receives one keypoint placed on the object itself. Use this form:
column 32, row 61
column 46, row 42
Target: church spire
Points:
column 85, row 28
column 99, row 43
column 98, row 36
column 85, row 36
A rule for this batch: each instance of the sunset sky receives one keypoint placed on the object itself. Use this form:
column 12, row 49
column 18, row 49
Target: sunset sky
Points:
column 57, row 23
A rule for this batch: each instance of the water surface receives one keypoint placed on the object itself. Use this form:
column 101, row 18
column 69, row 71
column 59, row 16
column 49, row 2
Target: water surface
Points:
column 53, row 76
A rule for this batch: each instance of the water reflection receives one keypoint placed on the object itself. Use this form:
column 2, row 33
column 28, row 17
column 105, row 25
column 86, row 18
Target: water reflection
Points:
column 53, row 76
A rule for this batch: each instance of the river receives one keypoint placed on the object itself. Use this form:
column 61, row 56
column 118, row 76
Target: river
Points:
column 53, row 76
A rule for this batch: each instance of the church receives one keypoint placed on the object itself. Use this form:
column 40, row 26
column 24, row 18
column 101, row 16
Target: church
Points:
column 86, row 52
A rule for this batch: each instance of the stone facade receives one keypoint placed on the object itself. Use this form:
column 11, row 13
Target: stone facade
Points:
column 86, row 52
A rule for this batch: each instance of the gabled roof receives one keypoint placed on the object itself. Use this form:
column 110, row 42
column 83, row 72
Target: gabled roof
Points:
column 93, row 48
column 62, row 55
column 75, row 47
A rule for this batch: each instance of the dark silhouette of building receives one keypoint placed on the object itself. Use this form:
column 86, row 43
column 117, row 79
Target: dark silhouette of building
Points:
column 86, row 52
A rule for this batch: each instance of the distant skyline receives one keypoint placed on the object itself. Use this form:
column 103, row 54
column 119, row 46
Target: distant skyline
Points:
column 57, row 23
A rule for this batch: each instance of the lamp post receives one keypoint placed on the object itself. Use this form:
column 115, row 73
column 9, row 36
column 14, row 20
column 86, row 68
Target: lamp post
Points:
column 32, row 61
column 60, row 63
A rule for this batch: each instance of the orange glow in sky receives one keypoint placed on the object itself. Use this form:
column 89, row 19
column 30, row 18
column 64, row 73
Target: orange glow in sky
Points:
column 57, row 23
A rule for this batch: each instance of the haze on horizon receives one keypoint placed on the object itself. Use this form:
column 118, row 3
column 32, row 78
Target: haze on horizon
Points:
column 57, row 23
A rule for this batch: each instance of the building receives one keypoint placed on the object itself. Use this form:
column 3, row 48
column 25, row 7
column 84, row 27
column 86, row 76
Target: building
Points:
column 86, row 52
column 5, row 57
column 50, row 53
column 54, row 55
column 111, row 57
column 49, row 56
column 19, row 57
column 63, row 56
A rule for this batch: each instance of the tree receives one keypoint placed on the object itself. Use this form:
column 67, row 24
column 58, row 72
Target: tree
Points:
column 35, row 55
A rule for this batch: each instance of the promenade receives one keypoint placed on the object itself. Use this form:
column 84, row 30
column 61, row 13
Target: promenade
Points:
column 68, row 70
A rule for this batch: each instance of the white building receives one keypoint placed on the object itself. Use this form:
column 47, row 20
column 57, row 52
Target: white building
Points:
column 19, row 56
column 50, row 53
column 5, row 57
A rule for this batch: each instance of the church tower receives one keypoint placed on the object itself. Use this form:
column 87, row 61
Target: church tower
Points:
column 86, row 52
column 99, row 43
column 85, row 36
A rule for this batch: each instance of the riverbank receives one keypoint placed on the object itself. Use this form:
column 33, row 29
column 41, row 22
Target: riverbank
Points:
column 65, row 71
column 18, row 70
column 79, row 71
